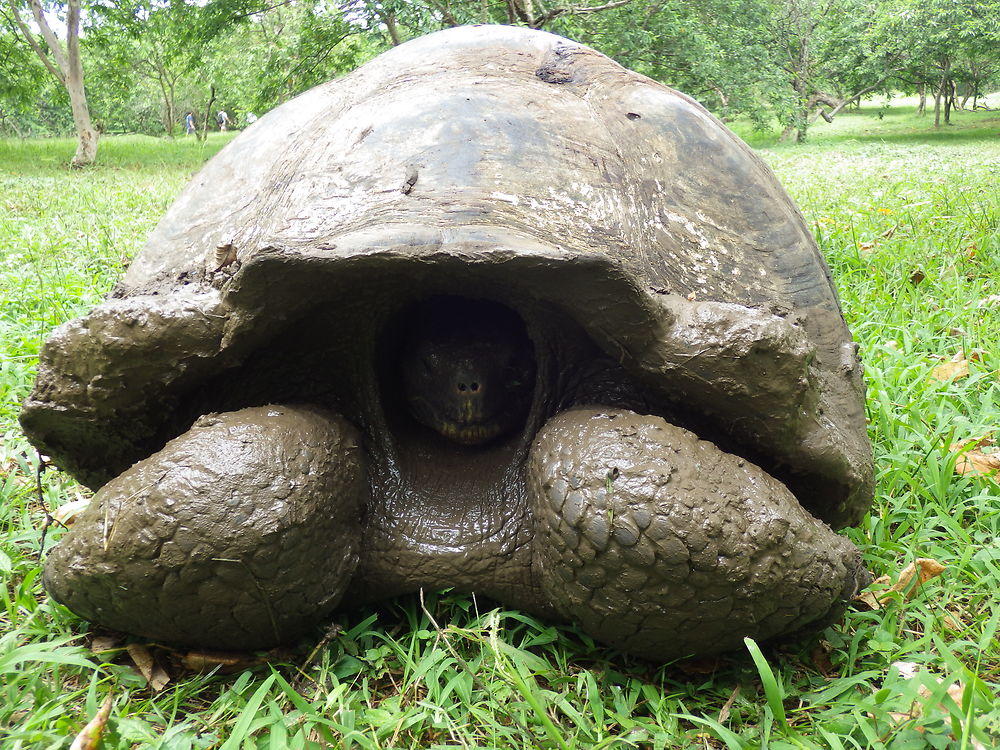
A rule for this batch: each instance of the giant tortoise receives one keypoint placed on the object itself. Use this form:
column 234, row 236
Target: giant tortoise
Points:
column 492, row 313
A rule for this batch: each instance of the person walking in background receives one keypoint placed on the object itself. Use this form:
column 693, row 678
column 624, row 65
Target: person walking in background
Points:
column 189, row 123
column 223, row 119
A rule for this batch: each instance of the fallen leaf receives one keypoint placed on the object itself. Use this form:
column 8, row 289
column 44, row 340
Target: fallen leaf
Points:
column 66, row 513
column 155, row 675
column 225, row 255
column 89, row 737
column 223, row 662
column 866, row 246
column 103, row 644
column 992, row 301
column 692, row 296
column 952, row 622
column 970, row 251
column 928, row 569
column 976, row 456
column 956, row 691
column 917, row 276
column 727, row 707
column 820, row 656
column 957, row 367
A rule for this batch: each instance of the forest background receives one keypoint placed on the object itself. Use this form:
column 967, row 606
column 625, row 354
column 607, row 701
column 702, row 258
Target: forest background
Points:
column 138, row 66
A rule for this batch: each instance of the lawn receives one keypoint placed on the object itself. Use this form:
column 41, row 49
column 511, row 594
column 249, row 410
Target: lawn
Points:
column 909, row 220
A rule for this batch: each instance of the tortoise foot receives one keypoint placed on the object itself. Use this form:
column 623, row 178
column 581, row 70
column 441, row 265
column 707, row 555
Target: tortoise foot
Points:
column 663, row 545
column 241, row 533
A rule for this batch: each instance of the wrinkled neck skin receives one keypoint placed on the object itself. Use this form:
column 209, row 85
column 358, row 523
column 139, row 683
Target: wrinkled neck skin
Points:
column 446, row 514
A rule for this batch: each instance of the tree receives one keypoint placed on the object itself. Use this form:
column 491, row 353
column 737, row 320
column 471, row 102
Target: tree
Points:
column 402, row 19
column 65, row 65
column 941, row 42
column 151, row 39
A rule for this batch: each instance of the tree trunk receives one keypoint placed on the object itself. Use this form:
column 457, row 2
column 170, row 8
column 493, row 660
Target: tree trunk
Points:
column 838, row 105
column 796, row 131
column 922, row 106
column 723, row 99
column 389, row 19
column 791, row 133
column 945, row 93
column 86, row 147
column 208, row 112
column 86, row 144
column 67, row 68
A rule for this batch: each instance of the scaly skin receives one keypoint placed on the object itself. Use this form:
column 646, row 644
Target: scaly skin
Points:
column 243, row 533
column 240, row 533
column 665, row 546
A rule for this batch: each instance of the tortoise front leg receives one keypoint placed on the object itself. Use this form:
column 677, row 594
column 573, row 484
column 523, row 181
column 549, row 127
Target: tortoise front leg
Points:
column 241, row 533
column 665, row 546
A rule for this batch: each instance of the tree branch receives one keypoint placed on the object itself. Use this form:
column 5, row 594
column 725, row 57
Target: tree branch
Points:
column 839, row 104
column 30, row 39
column 72, row 32
column 259, row 11
column 574, row 10
column 50, row 36
column 446, row 15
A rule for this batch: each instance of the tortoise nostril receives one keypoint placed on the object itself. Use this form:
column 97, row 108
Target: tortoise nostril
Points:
column 461, row 386
column 474, row 387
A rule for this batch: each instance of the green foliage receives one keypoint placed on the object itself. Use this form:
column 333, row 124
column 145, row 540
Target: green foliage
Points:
column 148, row 62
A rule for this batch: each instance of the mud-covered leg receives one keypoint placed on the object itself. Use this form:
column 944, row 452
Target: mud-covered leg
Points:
column 662, row 545
column 241, row 533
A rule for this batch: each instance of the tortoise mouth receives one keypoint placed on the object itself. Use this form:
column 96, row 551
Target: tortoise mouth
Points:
column 470, row 434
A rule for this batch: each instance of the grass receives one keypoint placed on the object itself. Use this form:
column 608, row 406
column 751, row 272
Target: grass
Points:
column 909, row 220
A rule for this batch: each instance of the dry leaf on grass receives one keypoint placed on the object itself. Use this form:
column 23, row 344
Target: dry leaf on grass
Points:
column 956, row 367
column 820, row 656
column 105, row 644
column 89, row 737
column 927, row 568
column 952, row 621
column 155, row 675
column 223, row 662
column 727, row 707
column 956, row 691
column 976, row 456
column 66, row 513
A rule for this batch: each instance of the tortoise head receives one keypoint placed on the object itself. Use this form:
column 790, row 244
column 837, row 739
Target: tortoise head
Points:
column 466, row 368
